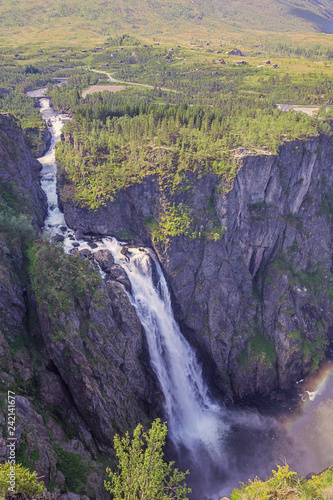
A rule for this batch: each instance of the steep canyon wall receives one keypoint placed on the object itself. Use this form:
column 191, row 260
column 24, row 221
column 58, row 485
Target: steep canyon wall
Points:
column 252, row 286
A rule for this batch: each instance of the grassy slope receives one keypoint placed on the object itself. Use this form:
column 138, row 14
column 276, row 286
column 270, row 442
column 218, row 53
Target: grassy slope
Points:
column 29, row 21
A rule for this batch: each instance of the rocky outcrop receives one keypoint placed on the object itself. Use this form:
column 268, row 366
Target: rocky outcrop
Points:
column 44, row 143
column 251, row 286
column 97, row 355
column 19, row 186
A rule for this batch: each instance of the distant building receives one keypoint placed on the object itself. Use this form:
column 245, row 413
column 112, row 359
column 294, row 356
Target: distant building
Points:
column 285, row 107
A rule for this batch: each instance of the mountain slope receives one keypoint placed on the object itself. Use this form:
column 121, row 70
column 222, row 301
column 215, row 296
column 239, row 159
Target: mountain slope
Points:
column 154, row 17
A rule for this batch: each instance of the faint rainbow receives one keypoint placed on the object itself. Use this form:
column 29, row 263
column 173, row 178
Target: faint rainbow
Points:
column 314, row 386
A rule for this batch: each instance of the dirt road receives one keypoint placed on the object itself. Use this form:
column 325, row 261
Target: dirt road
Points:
column 113, row 80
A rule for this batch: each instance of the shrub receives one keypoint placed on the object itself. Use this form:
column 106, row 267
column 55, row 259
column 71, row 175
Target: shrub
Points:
column 25, row 481
column 17, row 225
column 142, row 473
column 286, row 483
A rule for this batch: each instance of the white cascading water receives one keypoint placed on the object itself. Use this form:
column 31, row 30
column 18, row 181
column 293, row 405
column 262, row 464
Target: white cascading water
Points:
column 221, row 447
column 194, row 421
column 55, row 221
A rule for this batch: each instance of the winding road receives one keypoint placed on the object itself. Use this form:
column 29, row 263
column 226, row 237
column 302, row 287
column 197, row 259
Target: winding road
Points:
column 113, row 80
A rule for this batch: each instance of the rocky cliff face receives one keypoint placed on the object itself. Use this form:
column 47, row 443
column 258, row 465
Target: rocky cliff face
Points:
column 74, row 390
column 19, row 185
column 252, row 288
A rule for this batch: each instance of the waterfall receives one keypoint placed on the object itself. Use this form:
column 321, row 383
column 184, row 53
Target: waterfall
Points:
column 204, row 434
column 194, row 420
column 220, row 446
column 195, row 423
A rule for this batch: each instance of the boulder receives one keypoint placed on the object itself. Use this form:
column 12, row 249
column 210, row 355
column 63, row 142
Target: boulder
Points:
column 104, row 259
column 85, row 253
column 92, row 244
column 78, row 234
column 118, row 274
column 58, row 237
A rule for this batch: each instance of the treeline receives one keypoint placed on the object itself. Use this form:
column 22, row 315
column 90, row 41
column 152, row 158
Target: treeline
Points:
column 14, row 81
column 287, row 48
column 21, row 79
column 203, row 86
column 309, row 88
column 115, row 143
column 22, row 107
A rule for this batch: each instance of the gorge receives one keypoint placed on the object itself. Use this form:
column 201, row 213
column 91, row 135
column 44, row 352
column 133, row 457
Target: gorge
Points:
column 198, row 427
column 254, row 304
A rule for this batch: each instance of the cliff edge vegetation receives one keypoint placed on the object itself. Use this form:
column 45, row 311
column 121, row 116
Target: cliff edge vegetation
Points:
column 285, row 483
column 112, row 144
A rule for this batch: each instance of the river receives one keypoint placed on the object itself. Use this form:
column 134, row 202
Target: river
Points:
column 220, row 446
